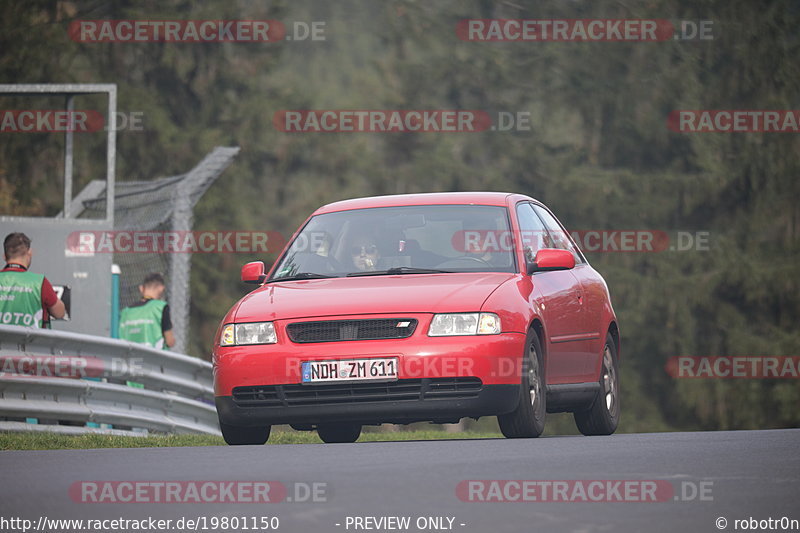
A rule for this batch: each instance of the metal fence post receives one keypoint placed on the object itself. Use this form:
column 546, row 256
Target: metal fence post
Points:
column 115, row 273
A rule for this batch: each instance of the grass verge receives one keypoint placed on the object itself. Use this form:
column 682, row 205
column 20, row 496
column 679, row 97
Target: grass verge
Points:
column 54, row 441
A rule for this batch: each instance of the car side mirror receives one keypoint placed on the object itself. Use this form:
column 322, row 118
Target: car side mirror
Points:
column 254, row 272
column 549, row 259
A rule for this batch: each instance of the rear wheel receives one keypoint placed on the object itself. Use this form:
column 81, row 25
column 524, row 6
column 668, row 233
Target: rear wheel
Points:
column 602, row 418
column 238, row 435
column 345, row 432
column 527, row 420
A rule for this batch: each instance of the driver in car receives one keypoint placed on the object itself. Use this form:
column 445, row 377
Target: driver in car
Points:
column 364, row 253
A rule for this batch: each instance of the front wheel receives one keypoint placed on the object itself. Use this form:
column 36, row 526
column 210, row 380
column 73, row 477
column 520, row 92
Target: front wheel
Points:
column 331, row 433
column 527, row 420
column 238, row 435
column 602, row 418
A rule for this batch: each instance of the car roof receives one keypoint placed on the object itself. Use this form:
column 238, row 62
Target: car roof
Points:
column 435, row 198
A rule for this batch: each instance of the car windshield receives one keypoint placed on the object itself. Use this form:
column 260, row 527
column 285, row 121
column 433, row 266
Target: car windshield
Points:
column 400, row 240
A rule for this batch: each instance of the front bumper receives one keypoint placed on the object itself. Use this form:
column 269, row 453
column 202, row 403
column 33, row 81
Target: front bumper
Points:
column 482, row 374
column 426, row 405
column 495, row 359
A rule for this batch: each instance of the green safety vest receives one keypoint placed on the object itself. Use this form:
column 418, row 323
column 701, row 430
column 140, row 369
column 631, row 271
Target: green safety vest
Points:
column 142, row 324
column 21, row 299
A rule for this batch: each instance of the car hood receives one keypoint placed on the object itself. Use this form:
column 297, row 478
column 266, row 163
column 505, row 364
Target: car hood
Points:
column 415, row 293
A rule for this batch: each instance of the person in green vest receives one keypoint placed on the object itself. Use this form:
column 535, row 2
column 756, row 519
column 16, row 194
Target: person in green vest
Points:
column 148, row 321
column 26, row 298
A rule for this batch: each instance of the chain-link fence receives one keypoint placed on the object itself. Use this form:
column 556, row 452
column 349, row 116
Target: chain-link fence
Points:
column 160, row 205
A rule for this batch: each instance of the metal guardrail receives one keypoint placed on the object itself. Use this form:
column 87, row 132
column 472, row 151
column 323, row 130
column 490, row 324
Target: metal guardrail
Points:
column 63, row 379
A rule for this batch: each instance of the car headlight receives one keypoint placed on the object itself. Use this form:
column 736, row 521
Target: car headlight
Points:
column 249, row 333
column 449, row 324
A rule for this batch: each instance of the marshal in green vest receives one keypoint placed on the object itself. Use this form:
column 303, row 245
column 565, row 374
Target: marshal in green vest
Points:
column 21, row 299
column 142, row 324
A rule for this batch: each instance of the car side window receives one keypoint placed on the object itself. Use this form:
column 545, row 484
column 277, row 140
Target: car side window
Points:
column 558, row 235
column 533, row 235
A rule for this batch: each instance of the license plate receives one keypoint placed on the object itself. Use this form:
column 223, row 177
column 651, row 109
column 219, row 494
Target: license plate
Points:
column 382, row 369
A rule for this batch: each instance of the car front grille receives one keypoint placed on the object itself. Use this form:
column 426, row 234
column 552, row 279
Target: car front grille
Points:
column 351, row 330
column 338, row 393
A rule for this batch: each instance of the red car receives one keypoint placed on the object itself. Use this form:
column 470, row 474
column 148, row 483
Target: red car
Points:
column 422, row 307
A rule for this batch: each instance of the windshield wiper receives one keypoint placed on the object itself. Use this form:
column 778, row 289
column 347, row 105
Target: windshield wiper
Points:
column 301, row 275
column 399, row 270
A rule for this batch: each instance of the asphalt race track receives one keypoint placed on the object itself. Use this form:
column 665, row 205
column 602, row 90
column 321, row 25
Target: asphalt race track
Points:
column 740, row 474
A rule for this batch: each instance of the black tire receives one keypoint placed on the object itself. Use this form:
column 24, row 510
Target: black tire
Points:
column 527, row 420
column 343, row 432
column 239, row 436
column 603, row 417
